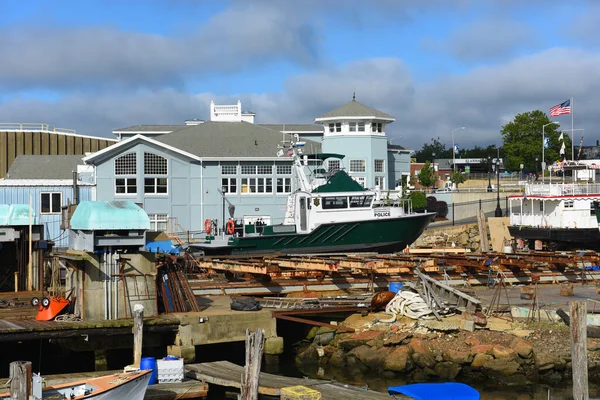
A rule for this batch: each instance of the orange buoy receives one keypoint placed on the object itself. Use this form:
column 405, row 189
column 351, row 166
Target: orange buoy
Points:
column 230, row 227
column 207, row 225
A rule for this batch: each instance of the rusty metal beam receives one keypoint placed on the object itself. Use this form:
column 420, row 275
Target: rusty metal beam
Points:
column 315, row 323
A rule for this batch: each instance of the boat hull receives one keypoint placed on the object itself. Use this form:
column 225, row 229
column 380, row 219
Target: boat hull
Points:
column 382, row 236
column 580, row 238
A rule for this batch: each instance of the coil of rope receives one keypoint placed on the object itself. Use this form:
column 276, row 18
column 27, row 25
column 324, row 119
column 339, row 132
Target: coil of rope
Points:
column 67, row 318
column 409, row 304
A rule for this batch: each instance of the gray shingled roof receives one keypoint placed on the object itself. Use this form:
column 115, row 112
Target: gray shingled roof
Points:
column 355, row 109
column 150, row 128
column 229, row 139
column 44, row 167
column 295, row 127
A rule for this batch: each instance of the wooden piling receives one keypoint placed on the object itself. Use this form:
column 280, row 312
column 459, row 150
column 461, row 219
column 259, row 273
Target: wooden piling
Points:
column 579, row 349
column 138, row 332
column 20, row 380
column 254, row 348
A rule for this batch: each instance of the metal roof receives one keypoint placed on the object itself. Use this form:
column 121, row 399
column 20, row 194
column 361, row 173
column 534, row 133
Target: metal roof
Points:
column 312, row 128
column 229, row 139
column 44, row 167
column 354, row 109
column 109, row 215
column 14, row 214
column 150, row 128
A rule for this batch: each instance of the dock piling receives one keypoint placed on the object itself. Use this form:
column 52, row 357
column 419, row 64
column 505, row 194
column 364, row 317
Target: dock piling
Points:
column 138, row 332
column 20, row 380
column 254, row 349
column 579, row 364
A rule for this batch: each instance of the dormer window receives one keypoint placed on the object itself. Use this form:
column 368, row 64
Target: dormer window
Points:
column 376, row 127
column 337, row 127
column 356, row 126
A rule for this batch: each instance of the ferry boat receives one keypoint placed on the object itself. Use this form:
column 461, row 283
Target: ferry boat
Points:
column 328, row 213
column 557, row 215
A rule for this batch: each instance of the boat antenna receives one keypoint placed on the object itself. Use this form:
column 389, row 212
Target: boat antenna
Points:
column 354, row 95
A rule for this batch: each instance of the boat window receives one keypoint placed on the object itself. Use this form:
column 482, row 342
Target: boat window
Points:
column 335, row 202
column 541, row 206
column 360, row 201
column 569, row 204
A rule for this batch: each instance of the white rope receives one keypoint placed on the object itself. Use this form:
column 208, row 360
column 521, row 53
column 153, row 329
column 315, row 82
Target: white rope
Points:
column 409, row 304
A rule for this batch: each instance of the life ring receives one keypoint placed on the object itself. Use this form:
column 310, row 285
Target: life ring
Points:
column 207, row 225
column 230, row 227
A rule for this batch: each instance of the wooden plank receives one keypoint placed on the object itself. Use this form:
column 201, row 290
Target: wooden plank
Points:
column 579, row 354
column 224, row 373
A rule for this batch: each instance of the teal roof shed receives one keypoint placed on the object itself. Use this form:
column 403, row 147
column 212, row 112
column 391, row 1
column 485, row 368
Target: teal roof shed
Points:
column 15, row 214
column 109, row 215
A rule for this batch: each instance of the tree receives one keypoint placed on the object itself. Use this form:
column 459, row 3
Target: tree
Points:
column 429, row 149
column 522, row 141
column 418, row 200
column 426, row 176
column 457, row 178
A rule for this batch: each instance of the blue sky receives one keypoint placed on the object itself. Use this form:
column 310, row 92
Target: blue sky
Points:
column 100, row 65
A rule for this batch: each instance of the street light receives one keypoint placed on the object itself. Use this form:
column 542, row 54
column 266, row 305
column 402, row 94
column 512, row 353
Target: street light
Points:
column 544, row 146
column 489, row 188
column 453, row 152
column 498, row 212
column 434, row 177
column 536, row 169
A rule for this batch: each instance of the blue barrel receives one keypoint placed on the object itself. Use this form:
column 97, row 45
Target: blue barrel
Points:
column 150, row 363
column 395, row 287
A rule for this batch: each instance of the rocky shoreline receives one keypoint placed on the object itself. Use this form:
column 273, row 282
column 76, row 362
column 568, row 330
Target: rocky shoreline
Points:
column 507, row 353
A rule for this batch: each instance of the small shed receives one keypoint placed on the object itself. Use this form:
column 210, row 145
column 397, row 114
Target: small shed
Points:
column 101, row 225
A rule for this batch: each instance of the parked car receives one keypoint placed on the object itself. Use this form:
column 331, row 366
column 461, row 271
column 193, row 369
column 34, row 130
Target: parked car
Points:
column 443, row 190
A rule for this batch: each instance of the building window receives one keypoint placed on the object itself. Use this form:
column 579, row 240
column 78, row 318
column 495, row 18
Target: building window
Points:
column 378, row 165
column 229, row 185
column 228, row 169
column 333, row 165
column 158, row 222
column 335, row 127
column 155, row 164
column 352, row 126
column 126, row 164
column 361, row 126
column 360, row 179
column 357, row 166
column 380, row 182
column 248, row 169
column 125, row 186
column 284, row 185
column 257, row 185
column 264, row 169
column 569, row 204
column 284, row 170
column 376, row 127
column 155, row 185
column 51, row 203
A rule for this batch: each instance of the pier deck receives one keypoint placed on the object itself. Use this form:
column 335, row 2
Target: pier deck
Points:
column 224, row 373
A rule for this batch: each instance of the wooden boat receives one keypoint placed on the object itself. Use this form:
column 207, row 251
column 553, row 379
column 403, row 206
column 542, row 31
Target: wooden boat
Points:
column 126, row 385
column 328, row 213
column 434, row 391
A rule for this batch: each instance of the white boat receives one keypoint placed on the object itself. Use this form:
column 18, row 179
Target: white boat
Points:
column 556, row 214
column 123, row 386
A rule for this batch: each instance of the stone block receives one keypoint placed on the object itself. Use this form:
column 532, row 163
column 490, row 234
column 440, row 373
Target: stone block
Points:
column 188, row 353
column 274, row 345
column 467, row 325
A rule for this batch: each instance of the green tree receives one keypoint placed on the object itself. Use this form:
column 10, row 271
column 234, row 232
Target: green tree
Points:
column 418, row 200
column 522, row 141
column 457, row 178
column 426, row 176
column 429, row 149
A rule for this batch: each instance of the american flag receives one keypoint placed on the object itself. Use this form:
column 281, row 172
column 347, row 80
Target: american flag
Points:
column 560, row 109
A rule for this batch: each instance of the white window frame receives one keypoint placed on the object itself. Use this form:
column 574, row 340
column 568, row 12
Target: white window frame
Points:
column 352, row 127
column 126, row 160
column 264, row 170
column 156, row 219
column 361, row 127
column 248, row 170
column 126, row 185
column 155, row 185
column 381, row 165
column 228, row 183
column 227, row 168
column 255, row 184
column 285, row 184
column 51, row 202
column 376, row 127
column 284, row 169
column 354, row 167
column 380, row 181
column 156, row 168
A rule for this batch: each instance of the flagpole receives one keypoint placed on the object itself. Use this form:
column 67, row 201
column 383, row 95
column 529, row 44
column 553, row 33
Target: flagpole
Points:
column 572, row 131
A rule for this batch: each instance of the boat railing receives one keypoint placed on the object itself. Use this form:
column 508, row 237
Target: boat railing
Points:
column 562, row 189
column 406, row 204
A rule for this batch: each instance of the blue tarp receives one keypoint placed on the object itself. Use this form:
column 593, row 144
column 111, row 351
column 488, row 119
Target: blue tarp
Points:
column 430, row 391
column 163, row 246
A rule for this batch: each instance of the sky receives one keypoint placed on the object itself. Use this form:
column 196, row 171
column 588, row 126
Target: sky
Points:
column 436, row 65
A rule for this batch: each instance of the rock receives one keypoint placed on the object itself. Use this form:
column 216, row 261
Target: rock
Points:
column 324, row 338
column 398, row 360
column 467, row 325
column 502, row 366
column 423, row 360
column 311, row 334
column 457, row 356
column 338, row 358
column 475, row 246
column 522, row 347
column 482, row 349
column 523, row 333
column 462, row 239
column 499, row 351
column 480, row 359
column 419, row 346
column 373, row 359
column 394, row 328
column 478, row 318
column 472, row 340
column 398, row 338
column 308, row 356
column 593, row 344
column 273, row 345
column 354, row 366
column 447, row 370
column 546, row 361
column 359, row 339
